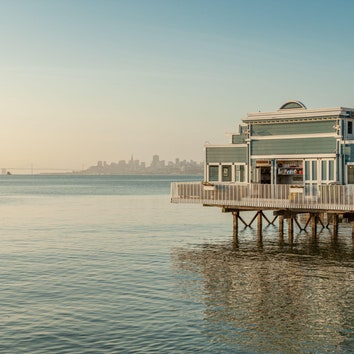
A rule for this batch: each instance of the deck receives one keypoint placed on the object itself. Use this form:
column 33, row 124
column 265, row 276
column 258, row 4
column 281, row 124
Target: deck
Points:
column 323, row 198
column 285, row 200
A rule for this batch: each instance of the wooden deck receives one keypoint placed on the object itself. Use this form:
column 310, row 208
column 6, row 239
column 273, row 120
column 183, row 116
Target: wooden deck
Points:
column 324, row 198
column 286, row 201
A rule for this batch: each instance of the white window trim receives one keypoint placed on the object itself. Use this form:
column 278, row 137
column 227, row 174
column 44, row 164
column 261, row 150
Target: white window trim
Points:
column 319, row 179
column 219, row 171
column 245, row 172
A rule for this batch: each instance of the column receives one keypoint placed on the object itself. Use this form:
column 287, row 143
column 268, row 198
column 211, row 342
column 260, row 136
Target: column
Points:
column 259, row 227
column 235, row 215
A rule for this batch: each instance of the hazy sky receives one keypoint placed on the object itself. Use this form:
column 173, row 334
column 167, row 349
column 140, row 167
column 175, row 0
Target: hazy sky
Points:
column 88, row 80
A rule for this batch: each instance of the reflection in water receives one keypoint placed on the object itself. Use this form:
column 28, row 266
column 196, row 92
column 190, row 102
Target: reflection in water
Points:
column 273, row 297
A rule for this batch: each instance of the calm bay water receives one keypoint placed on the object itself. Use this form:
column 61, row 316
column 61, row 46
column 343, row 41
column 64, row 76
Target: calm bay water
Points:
column 107, row 265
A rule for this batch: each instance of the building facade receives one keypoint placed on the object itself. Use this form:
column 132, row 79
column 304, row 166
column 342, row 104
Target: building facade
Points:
column 293, row 145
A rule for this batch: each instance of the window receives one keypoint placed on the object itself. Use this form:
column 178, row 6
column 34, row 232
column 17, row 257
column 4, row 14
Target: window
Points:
column 226, row 173
column 307, row 171
column 240, row 173
column 324, row 170
column 350, row 127
column 314, row 170
column 213, row 173
column 331, row 170
column 350, row 172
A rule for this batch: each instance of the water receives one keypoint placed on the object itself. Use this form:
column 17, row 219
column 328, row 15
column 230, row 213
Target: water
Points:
column 107, row 265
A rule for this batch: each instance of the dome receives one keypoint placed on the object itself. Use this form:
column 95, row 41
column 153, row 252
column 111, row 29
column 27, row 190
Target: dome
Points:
column 293, row 105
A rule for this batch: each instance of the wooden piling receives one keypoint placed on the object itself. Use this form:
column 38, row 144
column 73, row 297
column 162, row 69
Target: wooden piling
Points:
column 235, row 216
column 281, row 230
column 281, row 227
column 291, row 217
column 291, row 230
column 259, row 225
column 332, row 202
column 335, row 226
column 314, row 218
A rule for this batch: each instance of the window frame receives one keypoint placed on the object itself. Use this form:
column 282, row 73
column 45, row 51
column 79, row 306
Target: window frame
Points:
column 211, row 176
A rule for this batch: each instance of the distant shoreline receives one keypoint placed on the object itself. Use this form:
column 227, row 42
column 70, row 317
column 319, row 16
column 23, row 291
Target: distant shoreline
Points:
column 122, row 168
column 101, row 174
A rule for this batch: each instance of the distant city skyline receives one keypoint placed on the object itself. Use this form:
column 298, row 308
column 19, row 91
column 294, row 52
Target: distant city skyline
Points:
column 87, row 80
column 155, row 158
column 154, row 162
column 156, row 166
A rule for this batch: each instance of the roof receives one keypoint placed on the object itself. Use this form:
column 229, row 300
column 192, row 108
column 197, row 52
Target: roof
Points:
column 296, row 109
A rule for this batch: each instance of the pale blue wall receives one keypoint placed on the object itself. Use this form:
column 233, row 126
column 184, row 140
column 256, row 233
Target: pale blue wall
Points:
column 293, row 128
column 294, row 146
column 223, row 154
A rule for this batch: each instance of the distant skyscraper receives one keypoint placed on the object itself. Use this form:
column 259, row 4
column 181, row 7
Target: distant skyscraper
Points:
column 155, row 161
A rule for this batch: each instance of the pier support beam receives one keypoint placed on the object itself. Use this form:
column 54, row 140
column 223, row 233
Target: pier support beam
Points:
column 291, row 230
column 308, row 219
column 350, row 217
column 281, row 228
column 298, row 224
column 335, row 226
column 235, row 216
column 314, row 219
column 291, row 216
column 259, row 225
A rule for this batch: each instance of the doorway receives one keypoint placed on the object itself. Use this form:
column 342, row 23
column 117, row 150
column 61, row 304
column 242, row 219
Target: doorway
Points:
column 265, row 174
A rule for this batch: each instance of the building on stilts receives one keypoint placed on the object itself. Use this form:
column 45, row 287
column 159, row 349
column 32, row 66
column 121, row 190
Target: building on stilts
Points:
column 291, row 161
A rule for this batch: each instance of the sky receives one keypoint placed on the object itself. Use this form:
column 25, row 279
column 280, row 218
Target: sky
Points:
column 89, row 80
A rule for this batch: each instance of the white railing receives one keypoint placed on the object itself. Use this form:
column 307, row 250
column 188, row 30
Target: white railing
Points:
column 323, row 197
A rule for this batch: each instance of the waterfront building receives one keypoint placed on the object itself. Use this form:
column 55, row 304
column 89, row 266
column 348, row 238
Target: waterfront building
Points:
column 293, row 161
column 293, row 145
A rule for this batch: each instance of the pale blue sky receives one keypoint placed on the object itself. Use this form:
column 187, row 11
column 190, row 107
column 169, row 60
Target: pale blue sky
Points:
column 88, row 80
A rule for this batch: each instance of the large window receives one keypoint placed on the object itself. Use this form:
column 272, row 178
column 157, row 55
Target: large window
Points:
column 213, row 173
column 327, row 171
column 311, row 171
column 321, row 171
